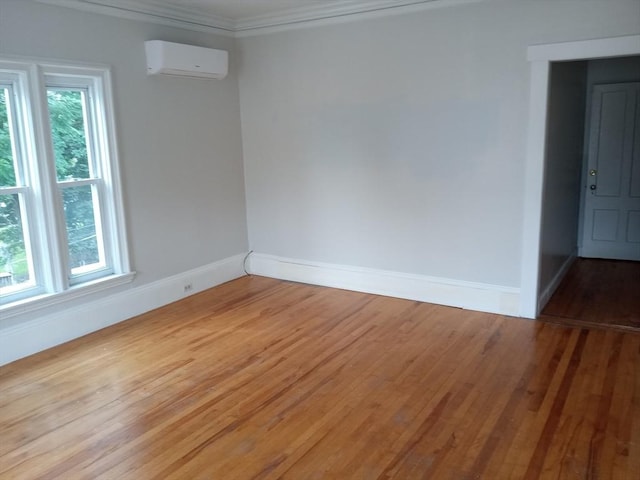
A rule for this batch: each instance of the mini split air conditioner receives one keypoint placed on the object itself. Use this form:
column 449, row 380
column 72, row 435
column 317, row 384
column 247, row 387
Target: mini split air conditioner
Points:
column 185, row 60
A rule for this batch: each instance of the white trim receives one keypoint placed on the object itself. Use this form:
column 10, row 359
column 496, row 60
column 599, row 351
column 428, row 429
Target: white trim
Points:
column 469, row 295
column 533, row 189
column 113, row 181
column 46, row 300
column 27, row 338
column 332, row 13
column 550, row 289
column 45, row 213
column 170, row 16
column 541, row 57
column 200, row 19
column 585, row 49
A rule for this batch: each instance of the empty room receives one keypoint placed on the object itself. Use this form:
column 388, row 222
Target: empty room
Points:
column 357, row 239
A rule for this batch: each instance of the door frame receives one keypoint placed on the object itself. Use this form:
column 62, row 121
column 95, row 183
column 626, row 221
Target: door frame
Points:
column 540, row 58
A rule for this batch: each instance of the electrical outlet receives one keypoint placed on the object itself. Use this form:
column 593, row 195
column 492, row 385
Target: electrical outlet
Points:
column 188, row 287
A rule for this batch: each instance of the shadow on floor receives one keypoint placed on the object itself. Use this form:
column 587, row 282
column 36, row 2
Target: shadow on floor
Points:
column 599, row 293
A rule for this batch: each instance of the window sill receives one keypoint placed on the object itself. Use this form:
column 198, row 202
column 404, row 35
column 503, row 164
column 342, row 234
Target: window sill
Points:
column 46, row 300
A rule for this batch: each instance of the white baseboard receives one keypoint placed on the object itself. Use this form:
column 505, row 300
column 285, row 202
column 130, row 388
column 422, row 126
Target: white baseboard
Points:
column 49, row 330
column 469, row 295
column 550, row 289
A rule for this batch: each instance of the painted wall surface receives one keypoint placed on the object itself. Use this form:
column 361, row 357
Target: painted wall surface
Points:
column 179, row 139
column 563, row 166
column 399, row 143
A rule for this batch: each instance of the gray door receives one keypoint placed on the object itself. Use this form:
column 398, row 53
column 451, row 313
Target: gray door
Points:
column 611, row 223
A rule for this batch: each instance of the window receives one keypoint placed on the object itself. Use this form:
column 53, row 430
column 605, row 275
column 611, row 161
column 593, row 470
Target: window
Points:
column 61, row 221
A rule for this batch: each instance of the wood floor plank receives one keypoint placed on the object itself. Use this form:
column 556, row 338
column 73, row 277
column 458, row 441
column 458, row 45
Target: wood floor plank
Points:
column 263, row 379
column 598, row 293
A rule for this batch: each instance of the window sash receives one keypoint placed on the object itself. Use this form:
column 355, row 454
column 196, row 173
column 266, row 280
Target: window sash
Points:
column 104, row 266
column 89, row 129
column 21, row 143
column 42, row 192
column 10, row 111
column 30, row 285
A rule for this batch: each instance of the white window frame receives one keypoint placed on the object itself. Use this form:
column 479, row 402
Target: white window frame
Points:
column 39, row 185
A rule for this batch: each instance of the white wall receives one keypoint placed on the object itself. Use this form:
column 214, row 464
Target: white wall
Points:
column 179, row 144
column 563, row 167
column 399, row 143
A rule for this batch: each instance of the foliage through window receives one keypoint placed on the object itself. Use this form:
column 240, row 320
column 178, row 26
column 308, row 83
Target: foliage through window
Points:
column 16, row 264
column 68, row 122
column 61, row 222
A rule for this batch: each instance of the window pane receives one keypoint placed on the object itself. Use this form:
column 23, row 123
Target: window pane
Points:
column 84, row 235
column 7, row 172
column 16, row 265
column 68, row 122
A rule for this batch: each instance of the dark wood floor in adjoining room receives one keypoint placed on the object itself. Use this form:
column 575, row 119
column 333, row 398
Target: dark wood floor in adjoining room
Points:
column 598, row 293
column 263, row 379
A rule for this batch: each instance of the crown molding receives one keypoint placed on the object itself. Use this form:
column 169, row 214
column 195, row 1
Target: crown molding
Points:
column 163, row 14
column 166, row 13
column 335, row 12
column 328, row 10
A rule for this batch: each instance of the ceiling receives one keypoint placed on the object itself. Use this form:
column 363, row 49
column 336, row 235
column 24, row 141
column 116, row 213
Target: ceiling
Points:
column 240, row 10
column 236, row 16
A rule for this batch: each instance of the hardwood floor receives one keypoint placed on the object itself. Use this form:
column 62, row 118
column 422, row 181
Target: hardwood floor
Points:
column 263, row 379
column 598, row 293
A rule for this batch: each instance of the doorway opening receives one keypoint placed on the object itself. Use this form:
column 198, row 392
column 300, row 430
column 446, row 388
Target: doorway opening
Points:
column 552, row 210
column 591, row 200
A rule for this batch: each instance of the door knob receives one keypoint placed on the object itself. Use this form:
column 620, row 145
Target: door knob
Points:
column 593, row 172
column 592, row 187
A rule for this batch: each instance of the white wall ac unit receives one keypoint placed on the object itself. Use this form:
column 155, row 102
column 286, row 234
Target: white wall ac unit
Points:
column 185, row 60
